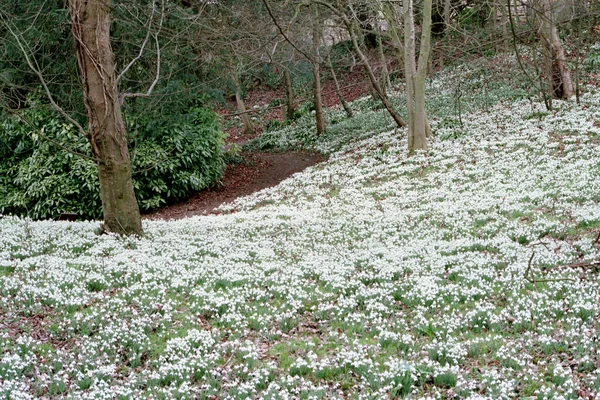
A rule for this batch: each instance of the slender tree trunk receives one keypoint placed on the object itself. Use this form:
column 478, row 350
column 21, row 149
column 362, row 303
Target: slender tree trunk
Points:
column 382, row 96
column 496, row 24
column 289, row 95
column 447, row 14
column 419, row 129
column 561, row 81
column 505, row 37
column 372, row 91
column 318, row 100
column 239, row 100
column 338, row 91
column 90, row 21
column 546, row 69
column 410, row 70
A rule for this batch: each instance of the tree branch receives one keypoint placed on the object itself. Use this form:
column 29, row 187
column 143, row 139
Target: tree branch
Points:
column 157, row 77
column 36, row 71
column 282, row 32
column 141, row 48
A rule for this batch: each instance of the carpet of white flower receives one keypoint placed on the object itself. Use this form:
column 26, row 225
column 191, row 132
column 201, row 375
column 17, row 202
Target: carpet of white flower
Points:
column 373, row 275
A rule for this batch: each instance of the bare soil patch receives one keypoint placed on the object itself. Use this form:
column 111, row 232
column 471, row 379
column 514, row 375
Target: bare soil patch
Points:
column 259, row 171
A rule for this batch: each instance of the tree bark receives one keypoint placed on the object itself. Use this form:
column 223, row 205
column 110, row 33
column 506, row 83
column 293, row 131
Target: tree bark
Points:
column 318, row 100
column 90, row 21
column 561, row 81
column 385, row 75
column 505, row 37
column 289, row 95
column 418, row 125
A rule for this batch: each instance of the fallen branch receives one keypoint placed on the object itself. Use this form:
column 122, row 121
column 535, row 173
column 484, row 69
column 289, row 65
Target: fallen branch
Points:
column 532, row 279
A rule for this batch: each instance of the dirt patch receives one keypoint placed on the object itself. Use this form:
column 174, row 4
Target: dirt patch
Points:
column 259, row 171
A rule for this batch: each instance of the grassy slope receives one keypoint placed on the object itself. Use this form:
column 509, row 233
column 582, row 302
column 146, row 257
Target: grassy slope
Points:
column 372, row 275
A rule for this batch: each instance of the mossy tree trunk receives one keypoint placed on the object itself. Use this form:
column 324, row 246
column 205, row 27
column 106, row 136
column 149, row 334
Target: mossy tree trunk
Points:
column 385, row 75
column 90, row 21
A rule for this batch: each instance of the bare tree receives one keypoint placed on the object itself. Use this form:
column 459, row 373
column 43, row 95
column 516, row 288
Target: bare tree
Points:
column 350, row 24
column 312, row 55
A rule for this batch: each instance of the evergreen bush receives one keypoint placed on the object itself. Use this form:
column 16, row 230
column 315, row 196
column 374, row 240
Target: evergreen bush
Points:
column 172, row 156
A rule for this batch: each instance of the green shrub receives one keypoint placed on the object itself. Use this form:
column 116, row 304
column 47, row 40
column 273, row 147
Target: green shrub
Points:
column 37, row 177
column 175, row 156
column 172, row 156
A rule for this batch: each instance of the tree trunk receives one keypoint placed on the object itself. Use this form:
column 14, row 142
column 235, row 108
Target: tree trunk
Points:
column 338, row 91
column 318, row 100
column 447, row 13
column 90, row 22
column 561, row 81
column 248, row 127
column 418, row 125
column 289, row 95
column 384, row 99
column 494, row 36
column 505, row 37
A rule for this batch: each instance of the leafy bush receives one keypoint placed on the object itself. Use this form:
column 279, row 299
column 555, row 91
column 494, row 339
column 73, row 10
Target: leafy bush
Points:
column 175, row 156
column 171, row 157
column 38, row 178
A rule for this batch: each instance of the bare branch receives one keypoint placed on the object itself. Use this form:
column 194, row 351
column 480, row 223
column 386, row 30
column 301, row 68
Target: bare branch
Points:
column 158, row 56
column 282, row 32
column 141, row 48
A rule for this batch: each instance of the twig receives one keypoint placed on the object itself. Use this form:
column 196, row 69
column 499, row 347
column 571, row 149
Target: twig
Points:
column 529, row 267
column 584, row 264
